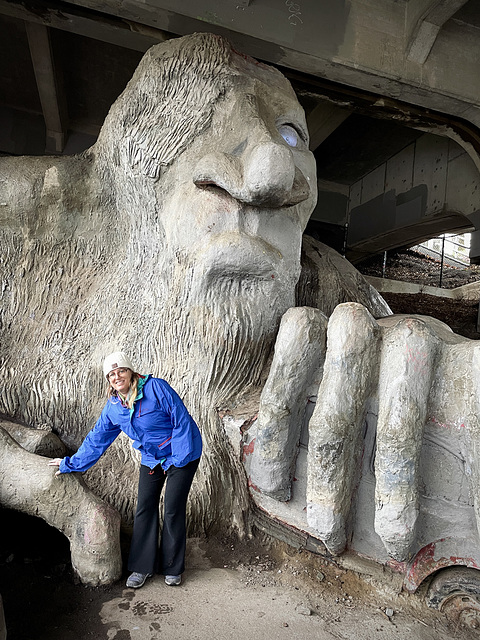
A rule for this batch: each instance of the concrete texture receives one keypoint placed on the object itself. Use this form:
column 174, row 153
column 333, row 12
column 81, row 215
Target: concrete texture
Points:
column 29, row 485
column 41, row 441
column 387, row 468
column 176, row 238
column 429, row 186
column 469, row 291
column 408, row 372
column 431, row 178
column 336, row 426
column 380, row 47
column 407, row 363
column 328, row 279
column 180, row 244
column 297, row 365
column 396, row 63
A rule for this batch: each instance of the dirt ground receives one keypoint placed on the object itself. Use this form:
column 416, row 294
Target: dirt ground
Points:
column 460, row 315
column 408, row 266
column 257, row 589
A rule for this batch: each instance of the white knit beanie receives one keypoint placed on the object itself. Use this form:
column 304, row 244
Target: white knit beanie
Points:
column 116, row 360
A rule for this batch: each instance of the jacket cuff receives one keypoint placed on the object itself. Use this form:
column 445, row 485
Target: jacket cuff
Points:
column 65, row 466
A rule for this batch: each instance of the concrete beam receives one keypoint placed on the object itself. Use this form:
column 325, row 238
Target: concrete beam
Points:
column 49, row 86
column 83, row 22
column 323, row 121
column 429, row 27
column 321, row 39
column 408, row 236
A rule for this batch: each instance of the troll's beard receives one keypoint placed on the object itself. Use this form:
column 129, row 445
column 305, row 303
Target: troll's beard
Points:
column 213, row 338
column 216, row 331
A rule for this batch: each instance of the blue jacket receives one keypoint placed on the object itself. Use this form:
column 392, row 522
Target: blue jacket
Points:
column 159, row 425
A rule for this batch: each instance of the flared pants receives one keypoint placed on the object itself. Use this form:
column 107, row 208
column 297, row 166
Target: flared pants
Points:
column 145, row 554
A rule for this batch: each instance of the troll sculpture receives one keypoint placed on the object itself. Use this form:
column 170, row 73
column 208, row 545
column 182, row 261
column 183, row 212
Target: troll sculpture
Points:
column 177, row 237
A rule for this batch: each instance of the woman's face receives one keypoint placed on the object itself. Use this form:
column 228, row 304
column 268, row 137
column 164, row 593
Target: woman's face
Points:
column 120, row 380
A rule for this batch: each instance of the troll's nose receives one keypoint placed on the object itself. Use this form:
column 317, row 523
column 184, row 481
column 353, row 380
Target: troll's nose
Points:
column 263, row 175
column 269, row 173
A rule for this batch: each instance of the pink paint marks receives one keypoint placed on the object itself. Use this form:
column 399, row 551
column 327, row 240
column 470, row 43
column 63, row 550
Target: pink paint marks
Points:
column 399, row 567
column 97, row 525
column 423, row 565
column 446, row 425
column 425, row 555
column 416, row 358
column 248, row 449
column 253, row 486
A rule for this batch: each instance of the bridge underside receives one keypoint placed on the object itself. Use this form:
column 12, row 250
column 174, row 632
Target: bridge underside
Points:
column 391, row 91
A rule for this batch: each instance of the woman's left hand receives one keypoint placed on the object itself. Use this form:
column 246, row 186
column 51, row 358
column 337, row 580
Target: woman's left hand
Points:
column 55, row 462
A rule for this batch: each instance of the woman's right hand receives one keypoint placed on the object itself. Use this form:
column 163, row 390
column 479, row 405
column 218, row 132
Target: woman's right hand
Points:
column 55, row 462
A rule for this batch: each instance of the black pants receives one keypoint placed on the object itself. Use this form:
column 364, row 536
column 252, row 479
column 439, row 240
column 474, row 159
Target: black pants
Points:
column 145, row 557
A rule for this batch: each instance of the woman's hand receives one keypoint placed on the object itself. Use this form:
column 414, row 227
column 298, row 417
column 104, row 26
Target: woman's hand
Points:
column 55, row 462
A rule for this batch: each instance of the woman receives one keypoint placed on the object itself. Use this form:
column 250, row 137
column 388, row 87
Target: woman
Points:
column 149, row 411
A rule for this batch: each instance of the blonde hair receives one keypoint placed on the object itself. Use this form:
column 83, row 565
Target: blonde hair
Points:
column 113, row 393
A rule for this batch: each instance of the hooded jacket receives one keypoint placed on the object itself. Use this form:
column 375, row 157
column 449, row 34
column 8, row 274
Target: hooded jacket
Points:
column 159, row 425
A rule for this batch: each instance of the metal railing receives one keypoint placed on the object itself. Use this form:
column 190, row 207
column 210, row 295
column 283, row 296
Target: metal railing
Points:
column 448, row 249
column 453, row 248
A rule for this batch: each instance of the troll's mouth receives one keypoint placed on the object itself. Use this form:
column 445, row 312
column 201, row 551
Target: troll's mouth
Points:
column 240, row 256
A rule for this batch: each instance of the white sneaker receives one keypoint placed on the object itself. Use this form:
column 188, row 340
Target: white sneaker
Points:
column 137, row 580
column 173, row 581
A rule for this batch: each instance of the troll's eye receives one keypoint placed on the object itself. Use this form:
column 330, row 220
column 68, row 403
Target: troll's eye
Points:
column 289, row 134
